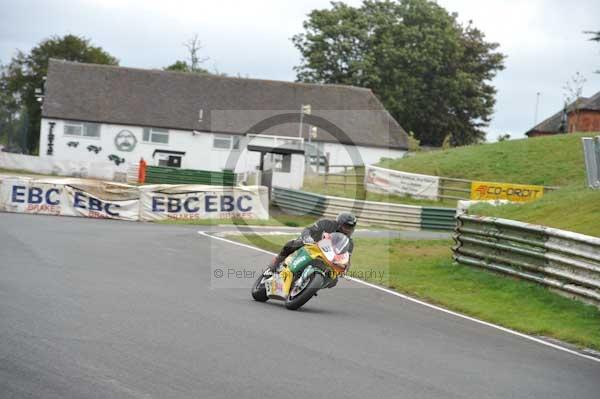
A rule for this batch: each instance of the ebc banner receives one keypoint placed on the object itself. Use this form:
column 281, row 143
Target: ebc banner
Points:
column 69, row 197
column 83, row 203
column 24, row 195
column 163, row 202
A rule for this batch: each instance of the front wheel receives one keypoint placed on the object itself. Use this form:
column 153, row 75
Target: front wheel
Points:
column 315, row 283
column 259, row 292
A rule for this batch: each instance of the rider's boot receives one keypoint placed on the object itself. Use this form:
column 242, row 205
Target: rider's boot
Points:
column 275, row 262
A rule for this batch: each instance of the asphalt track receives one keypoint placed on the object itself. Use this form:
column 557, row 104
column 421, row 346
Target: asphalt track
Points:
column 105, row 309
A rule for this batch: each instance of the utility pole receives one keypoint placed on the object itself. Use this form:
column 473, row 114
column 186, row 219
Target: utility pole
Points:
column 304, row 109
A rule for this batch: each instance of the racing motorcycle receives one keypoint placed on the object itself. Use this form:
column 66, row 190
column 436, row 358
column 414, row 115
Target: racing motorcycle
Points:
column 312, row 267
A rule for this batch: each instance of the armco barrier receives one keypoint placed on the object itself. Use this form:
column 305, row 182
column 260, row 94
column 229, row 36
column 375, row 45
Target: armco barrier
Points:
column 438, row 218
column 564, row 261
column 167, row 175
column 369, row 212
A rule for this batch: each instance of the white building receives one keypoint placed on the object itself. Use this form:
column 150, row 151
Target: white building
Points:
column 97, row 112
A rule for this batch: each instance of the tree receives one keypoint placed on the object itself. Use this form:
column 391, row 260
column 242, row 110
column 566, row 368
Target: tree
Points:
column 573, row 89
column 595, row 37
column 25, row 74
column 8, row 108
column 429, row 71
column 194, row 46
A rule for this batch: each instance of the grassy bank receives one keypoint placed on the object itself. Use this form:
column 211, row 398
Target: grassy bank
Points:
column 551, row 161
column 425, row 270
column 571, row 208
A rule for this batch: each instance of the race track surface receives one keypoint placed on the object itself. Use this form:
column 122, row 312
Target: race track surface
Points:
column 107, row 309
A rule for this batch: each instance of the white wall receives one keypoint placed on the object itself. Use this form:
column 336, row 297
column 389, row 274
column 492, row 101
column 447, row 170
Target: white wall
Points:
column 198, row 148
column 47, row 165
column 295, row 178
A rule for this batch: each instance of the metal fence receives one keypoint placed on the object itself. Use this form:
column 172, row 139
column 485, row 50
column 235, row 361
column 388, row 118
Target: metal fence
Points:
column 454, row 189
column 352, row 176
column 406, row 217
column 564, row 261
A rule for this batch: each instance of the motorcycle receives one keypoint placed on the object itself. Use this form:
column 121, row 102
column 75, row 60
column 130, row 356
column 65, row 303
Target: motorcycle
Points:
column 310, row 268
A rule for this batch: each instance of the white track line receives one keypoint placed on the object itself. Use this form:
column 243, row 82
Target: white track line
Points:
column 408, row 298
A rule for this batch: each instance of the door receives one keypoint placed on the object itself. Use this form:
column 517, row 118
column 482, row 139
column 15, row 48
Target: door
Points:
column 174, row 161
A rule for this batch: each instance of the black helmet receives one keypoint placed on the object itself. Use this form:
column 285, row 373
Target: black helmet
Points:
column 346, row 223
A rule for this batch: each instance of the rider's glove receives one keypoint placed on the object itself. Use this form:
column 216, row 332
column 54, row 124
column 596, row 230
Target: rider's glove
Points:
column 307, row 239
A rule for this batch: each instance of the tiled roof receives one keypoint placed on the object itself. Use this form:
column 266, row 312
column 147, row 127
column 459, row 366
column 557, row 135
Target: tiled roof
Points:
column 552, row 124
column 157, row 98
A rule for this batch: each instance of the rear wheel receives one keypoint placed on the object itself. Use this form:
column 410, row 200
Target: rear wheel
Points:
column 314, row 284
column 259, row 292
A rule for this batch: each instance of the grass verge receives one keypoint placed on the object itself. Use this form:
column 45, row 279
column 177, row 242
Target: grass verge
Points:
column 571, row 208
column 425, row 270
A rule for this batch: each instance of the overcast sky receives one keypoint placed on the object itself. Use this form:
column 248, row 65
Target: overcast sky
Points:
column 543, row 40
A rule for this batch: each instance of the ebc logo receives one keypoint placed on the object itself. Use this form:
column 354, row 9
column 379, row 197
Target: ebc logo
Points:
column 83, row 201
column 35, row 195
column 196, row 204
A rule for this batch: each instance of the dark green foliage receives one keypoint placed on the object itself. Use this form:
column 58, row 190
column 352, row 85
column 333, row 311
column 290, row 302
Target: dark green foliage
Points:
column 25, row 72
column 430, row 72
column 595, row 37
column 182, row 66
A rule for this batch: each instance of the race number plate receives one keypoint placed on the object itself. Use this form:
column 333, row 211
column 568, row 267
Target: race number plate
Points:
column 275, row 287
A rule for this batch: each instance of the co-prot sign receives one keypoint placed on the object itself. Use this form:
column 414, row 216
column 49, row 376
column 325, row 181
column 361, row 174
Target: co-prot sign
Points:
column 481, row 190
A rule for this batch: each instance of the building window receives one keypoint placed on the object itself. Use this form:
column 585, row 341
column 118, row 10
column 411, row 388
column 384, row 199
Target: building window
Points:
column 155, row 135
column 224, row 142
column 84, row 129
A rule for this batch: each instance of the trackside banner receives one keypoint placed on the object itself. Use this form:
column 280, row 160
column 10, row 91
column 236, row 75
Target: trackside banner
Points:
column 161, row 202
column 97, row 199
column 70, row 197
column 402, row 183
column 481, row 190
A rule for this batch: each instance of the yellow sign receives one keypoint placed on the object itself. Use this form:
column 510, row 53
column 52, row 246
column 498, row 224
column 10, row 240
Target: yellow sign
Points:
column 481, row 190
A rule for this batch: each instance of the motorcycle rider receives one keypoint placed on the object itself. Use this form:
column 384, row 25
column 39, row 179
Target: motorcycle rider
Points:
column 344, row 223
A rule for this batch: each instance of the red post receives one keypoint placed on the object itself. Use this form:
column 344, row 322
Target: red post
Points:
column 142, row 172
